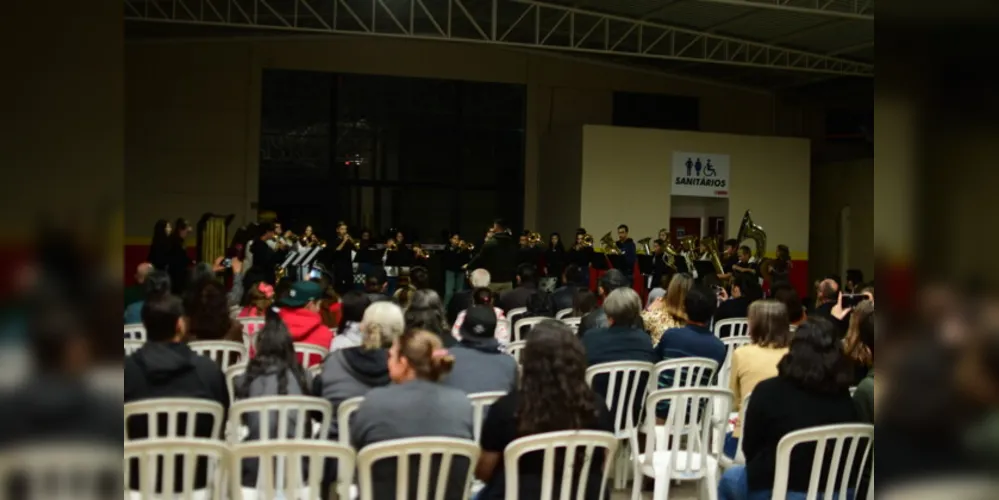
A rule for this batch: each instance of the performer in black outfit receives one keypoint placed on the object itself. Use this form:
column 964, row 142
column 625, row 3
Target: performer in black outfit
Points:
column 555, row 258
column 342, row 260
column 581, row 255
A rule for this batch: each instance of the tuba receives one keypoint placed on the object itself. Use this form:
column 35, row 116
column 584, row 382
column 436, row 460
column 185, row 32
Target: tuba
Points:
column 712, row 245
column 608, row 242
column 643, row 246
column 669, row 256
column 749, row 230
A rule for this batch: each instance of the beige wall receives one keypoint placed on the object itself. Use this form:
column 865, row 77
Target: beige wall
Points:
column 835, row 187
column 626, row 179
column 193, row 113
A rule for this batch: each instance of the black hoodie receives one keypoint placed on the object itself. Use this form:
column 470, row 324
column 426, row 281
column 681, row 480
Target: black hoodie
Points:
column 171, row 370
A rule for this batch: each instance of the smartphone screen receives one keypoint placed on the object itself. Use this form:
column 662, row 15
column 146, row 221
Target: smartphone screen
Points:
column 853, row 299
column 315, row 274
column 227, row 263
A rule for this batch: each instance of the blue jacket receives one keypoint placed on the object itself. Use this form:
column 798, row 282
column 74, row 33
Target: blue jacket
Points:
column 691, row 341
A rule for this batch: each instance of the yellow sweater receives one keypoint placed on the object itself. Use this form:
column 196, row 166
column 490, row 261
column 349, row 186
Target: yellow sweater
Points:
column 751, row 364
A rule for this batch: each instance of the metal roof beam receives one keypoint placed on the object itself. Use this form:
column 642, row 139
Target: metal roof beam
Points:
column 518, row 23
column 851, row 9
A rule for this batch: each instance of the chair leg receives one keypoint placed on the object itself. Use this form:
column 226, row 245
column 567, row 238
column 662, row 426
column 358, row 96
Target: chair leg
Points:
column 709, row 484
column 636, row 485
column 621, row 466
column 663, row 480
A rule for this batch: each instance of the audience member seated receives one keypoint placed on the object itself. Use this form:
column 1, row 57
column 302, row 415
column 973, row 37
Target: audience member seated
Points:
column 811, row 389
column 419, row 279
column 462, row 299
column 415, row 405
column 563, row 296
column 695, row 340
column 352, row 309
column 480, row 365
column 745, row 290
column 485, row 297
column 610, row 281
column 756, row 362
column 620, row 340
column 853, row 347
column 206, row 307
column 375, row 286
column 828, row 296
column 583, row 303
column 330, row 308
column 136, row 292
column 300, row 313
column 426, row 312
column 274, row 371
column 553, row 396
column 352, row 372
column 788, row 295
column 154, row 283
column 259, row 298
column 669, row 311
column 164, row 367
column 527, row 287
column 864, row 398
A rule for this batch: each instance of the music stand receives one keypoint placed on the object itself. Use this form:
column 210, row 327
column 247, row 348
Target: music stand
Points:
column 704, row 270
column 600, row 260
column 681, row 265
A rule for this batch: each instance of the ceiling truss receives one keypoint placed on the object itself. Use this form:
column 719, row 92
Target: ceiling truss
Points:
column 848, row 9
column 517, row 23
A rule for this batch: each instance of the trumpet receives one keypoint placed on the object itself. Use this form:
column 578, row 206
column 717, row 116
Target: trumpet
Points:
column 352, row 242
column 534, row 239
column 392, row 246
column 420, row 253
column 466, row 246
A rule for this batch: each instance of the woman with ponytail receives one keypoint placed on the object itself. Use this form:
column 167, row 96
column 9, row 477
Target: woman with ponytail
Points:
column 415, row 405
column 274, row 371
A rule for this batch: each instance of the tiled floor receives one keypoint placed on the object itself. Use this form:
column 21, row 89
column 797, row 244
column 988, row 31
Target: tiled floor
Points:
column 685, row 491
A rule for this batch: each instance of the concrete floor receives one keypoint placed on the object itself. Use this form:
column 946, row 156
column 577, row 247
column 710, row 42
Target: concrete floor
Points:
column 687, row 490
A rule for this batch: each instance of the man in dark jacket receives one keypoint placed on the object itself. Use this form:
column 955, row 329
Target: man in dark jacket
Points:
column 527, row 286
column 165, row 367
column 621, row 339
column 499, row 257
column 609, row 282
column 563, row 297
column 745, row 291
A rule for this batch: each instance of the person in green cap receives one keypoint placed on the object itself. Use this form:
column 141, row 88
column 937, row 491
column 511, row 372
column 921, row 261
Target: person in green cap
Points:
column 299, row 310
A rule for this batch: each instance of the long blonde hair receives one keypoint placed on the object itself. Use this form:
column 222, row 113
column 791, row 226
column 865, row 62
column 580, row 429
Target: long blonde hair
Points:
column 676, row 296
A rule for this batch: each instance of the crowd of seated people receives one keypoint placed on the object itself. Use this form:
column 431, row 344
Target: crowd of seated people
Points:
column 413, row 354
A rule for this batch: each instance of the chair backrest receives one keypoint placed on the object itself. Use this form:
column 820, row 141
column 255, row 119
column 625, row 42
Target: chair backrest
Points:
column 521, row 325
column 627, row 385
column 157, row 459
column 575, row 474
column 516, row 311
column 480, row 403
column 291, row 414
column 734, row 327
column 173, row 409
column 311, row 354
column 731, row 344
column 223, row 352
column 230, row 378
column 854, row 439
column 343, row 412
column 683, row 372
column 573, row 323
column 135, row 331
column 514, row 348
column 133, row 345
column 689, row 427
column 69, row 471
column 250, row 327
column 563, row 313
column 292, row 469
column 314, row 371
column 423, row 450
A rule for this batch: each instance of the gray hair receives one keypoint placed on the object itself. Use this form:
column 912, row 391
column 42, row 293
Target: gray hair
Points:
column 623, row 306
column 383, row 322
column 480, row 278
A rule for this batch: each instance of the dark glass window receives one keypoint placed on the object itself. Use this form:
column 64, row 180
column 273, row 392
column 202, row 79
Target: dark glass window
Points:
column 634, row 109
column 381, row 152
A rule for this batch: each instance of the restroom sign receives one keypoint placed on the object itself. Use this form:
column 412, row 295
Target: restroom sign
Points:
column 700, row 174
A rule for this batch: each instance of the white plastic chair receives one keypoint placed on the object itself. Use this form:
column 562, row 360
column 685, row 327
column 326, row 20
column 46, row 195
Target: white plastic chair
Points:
column 687, row 372
column 157, row 459
column 625, row 387
column 173, row 408
column 856, row 434
column 517, row 311
column 480, row 403
column 518, row 332
column 314, row 371
column 570, row 443
column 250, row 328
column 135, row 331
column 223, row 352
column 424, row 449
column 311, row 354
column 230, row 378
column 280, row 461
column 683, row 452
column 65, row 471
column 133, row 345
column 731, row 344
column 733, row 327
column 291, row 412
column 343, row 413
column 514, row 348
column 573, row 323
column 563, row 313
